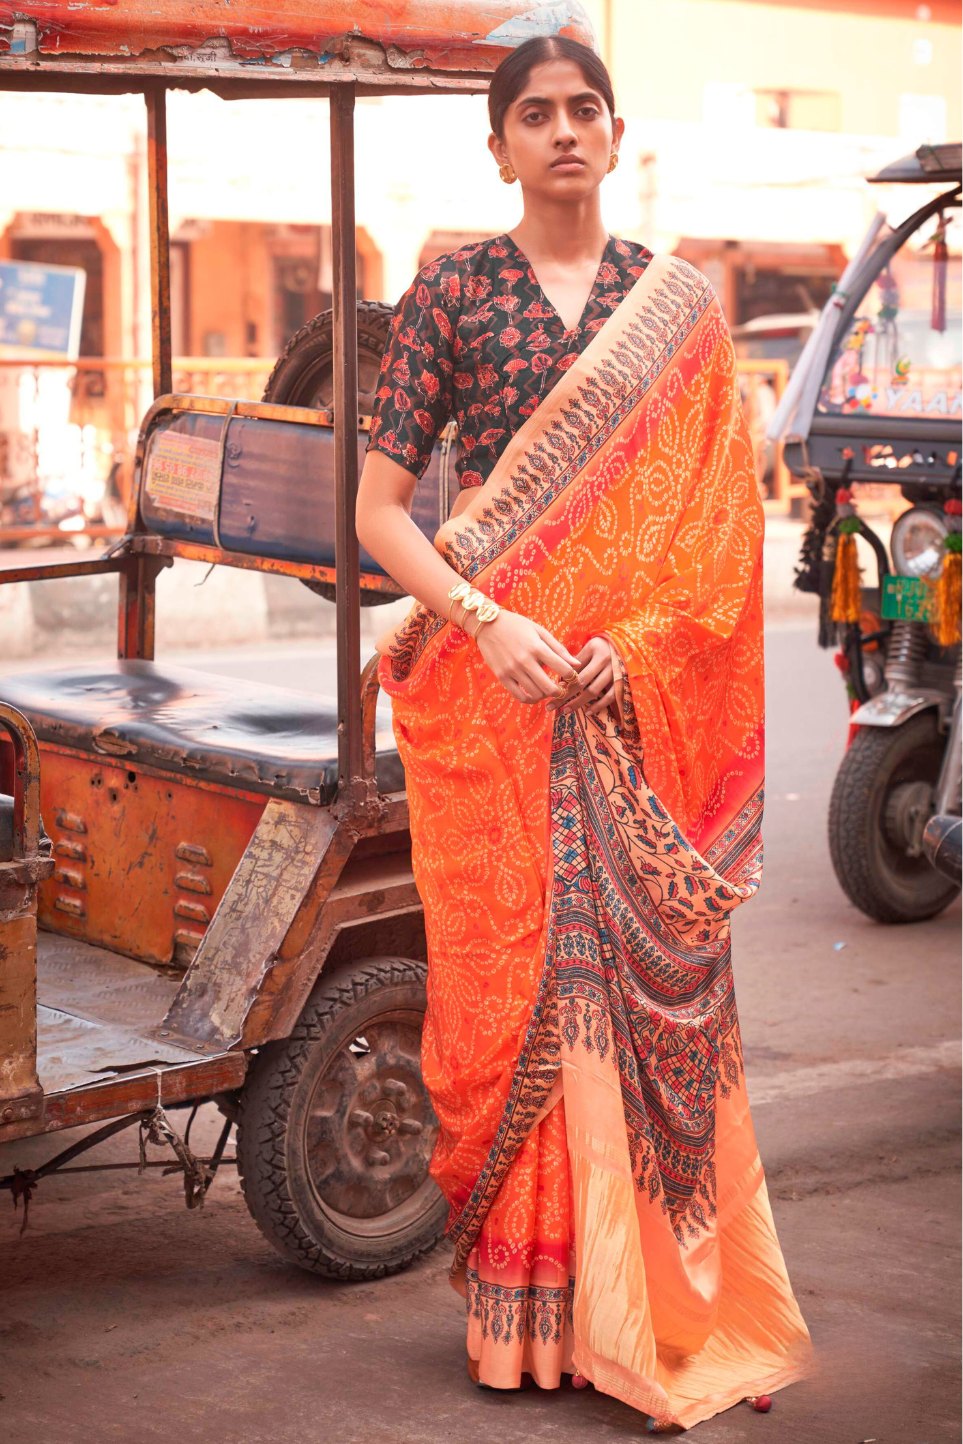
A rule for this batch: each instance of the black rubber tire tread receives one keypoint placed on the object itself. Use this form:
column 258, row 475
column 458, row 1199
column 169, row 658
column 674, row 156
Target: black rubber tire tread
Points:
column 263, row 1114
column 314, row 341
column 856, row 826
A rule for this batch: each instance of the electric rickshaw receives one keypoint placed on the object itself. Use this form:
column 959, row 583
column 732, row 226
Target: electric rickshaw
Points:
column 205, row 888
column 876, row 398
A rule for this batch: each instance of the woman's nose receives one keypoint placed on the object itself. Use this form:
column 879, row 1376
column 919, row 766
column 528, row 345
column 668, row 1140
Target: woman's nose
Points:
column 564, row 132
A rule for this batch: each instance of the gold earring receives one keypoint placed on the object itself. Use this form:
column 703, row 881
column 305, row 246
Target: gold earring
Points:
column 613, row 160
column 507, row 174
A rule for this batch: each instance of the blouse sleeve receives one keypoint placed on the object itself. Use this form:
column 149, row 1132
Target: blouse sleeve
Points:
column 413, row 399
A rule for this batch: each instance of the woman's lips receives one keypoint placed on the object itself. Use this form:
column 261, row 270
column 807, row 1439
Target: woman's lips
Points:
column 570, row 163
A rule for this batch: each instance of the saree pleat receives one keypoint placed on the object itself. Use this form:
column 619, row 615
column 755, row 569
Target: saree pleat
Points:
column 519, row 1276
column 582, row 1045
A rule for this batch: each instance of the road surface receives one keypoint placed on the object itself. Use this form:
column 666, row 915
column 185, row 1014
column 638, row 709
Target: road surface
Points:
column 124, row 1317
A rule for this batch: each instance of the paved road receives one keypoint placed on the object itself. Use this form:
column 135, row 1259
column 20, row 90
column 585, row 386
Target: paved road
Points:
column 126, row 1318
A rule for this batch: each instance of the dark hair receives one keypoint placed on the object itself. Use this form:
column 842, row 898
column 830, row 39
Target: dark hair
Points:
column 510, row 77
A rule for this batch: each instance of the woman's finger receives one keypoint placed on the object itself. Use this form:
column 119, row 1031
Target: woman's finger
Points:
column 558, row 672
column 594, row 678
column 561, row 652
column 524, row 688
column 606, row 700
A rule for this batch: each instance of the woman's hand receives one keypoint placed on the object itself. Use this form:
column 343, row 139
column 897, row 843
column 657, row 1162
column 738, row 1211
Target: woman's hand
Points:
column 518, row 650
column 596, row 689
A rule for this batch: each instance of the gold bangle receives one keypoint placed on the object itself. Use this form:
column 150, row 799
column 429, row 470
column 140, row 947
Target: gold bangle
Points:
column 481, row 623
column 472, row 600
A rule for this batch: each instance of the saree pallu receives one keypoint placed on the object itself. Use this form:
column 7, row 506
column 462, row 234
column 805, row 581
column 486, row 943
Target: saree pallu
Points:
column 581, row 1047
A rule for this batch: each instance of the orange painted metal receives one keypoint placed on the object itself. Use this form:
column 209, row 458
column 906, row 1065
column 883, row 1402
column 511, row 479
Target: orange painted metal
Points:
column 141, row 860
column 134, row 1093
column 23, row 864
column 429, row 34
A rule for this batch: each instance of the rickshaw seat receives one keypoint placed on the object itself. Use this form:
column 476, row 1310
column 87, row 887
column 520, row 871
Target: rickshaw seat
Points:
column 265, row 739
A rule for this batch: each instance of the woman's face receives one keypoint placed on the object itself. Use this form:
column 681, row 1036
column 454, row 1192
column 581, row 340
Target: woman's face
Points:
column 558, row 133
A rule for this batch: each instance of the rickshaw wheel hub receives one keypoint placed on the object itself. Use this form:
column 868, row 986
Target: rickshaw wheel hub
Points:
column 908, row 809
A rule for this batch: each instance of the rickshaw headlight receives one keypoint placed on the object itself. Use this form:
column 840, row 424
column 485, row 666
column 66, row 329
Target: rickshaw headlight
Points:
column 917, row 543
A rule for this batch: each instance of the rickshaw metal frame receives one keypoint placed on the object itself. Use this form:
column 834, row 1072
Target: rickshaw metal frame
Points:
column 359, row 67
column 797, row 443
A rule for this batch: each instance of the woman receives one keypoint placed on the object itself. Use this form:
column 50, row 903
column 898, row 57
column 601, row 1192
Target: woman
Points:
column 577, row 699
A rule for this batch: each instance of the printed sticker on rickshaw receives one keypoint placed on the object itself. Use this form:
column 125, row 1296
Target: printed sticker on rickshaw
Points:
column 908, row 599
column 183, row 474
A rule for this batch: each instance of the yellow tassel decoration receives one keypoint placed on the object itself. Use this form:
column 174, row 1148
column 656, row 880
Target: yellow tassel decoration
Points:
column 846, row 601
column 948, row 595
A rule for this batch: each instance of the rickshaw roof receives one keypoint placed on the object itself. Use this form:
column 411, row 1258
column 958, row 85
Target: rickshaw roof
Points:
column 931, row 164
column 246, row 47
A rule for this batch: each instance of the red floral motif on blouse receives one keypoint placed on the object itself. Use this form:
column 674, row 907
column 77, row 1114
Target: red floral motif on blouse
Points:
column 450, row 352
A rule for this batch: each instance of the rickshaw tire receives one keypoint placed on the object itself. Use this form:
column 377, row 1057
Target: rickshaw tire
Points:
column 274, row 1179
column 865, row 863
column 295, row 377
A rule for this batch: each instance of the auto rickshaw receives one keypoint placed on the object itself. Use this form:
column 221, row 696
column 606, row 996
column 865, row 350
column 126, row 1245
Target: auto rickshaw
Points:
column 218, row 904
column 876, row 398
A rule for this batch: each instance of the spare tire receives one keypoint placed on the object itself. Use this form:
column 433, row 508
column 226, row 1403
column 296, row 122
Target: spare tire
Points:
column 304, row 376
column 304, row 372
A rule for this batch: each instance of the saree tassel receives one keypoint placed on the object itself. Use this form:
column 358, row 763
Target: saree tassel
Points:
column 949, row 594
column 846, row 599
column 940, row 258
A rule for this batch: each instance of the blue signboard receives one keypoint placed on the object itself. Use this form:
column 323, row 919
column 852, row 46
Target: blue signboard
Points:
column 40, row 309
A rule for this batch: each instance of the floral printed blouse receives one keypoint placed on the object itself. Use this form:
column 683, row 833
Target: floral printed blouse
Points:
column 475, row 338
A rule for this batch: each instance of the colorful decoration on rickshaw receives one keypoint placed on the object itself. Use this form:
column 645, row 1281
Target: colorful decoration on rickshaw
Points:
column 889, row 297
column 949, row 595
column 856, row 340
column 901, row 371
column 860, row 394
column 846, row 600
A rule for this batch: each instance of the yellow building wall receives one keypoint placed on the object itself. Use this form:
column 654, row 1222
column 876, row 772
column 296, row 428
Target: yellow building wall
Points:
column 663, row 54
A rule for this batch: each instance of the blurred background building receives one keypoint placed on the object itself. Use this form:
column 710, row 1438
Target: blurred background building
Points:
column 750, row 126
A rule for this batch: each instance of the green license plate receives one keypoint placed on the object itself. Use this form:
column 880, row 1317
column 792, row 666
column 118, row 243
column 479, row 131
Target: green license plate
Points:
column 908, row 599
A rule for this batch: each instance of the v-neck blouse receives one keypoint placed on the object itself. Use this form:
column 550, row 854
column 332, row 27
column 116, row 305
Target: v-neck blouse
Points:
column 476, row 339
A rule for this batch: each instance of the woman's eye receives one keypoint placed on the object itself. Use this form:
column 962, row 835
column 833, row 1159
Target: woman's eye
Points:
column 532, row 115
column 587, row 112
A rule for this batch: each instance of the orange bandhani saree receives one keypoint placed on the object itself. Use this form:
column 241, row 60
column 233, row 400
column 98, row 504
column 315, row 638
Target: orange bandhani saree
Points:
column 578, row 874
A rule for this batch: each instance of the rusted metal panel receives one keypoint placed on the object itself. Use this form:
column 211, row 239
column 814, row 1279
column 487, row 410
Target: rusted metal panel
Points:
column 367, row 890
column 457, row 36
column 133, row 1093
column 20, row 1095
column 24, row 861
column 97, row 1057
column 117, row 830
column 296, row 852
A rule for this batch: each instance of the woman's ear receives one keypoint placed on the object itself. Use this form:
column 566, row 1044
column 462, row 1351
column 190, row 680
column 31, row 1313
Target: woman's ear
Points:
column 618, row 130
column 497, row 148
